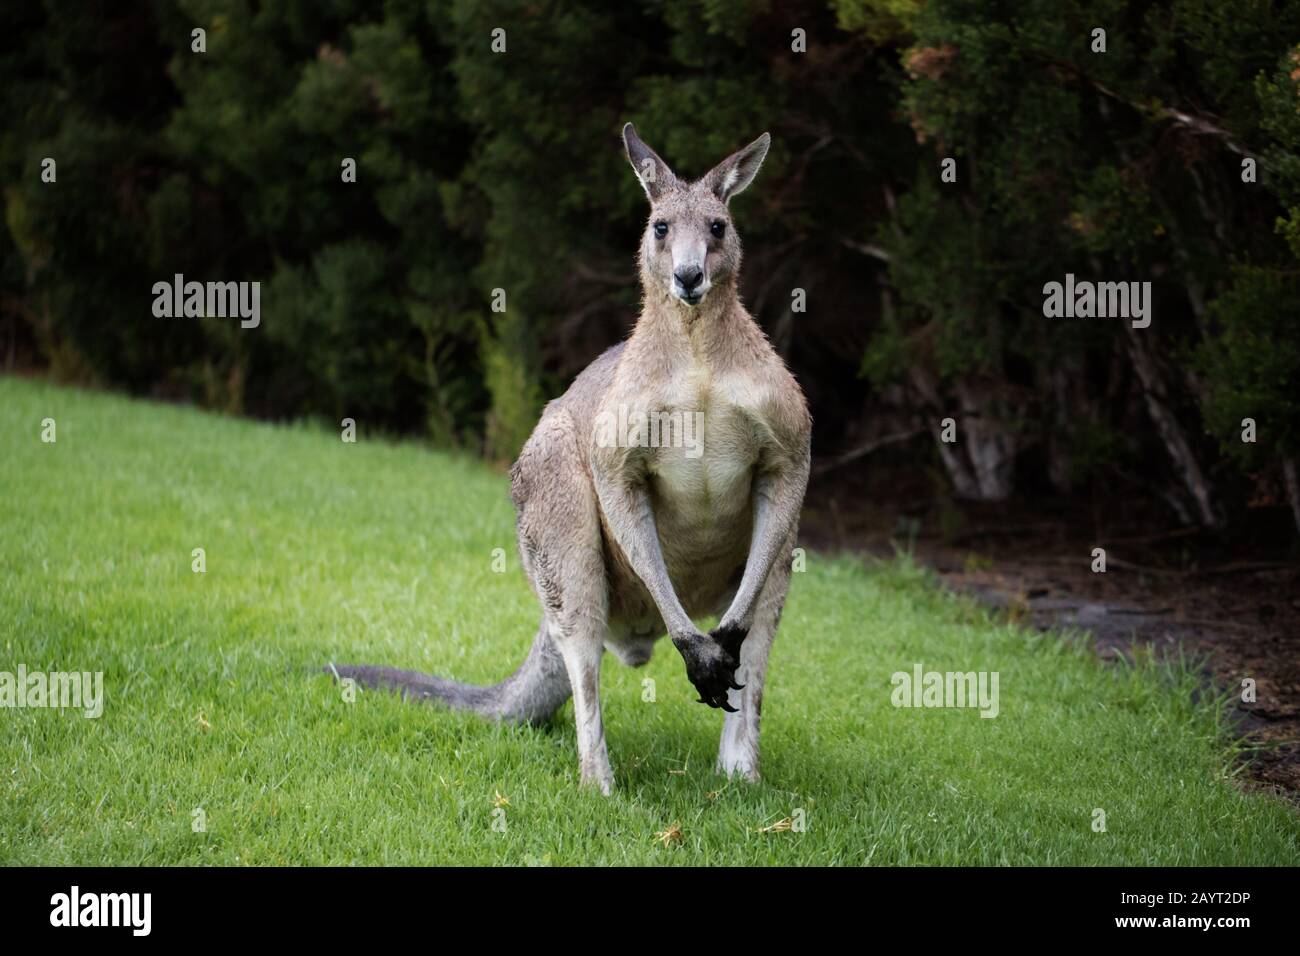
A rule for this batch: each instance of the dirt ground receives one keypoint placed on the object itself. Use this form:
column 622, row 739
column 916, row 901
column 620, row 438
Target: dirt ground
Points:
column 1235, row 604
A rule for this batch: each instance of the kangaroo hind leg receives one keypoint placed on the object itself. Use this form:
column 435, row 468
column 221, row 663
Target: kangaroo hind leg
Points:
column 560, row 545
column 738, row 751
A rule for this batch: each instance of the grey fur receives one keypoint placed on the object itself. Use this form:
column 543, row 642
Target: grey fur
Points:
column 532, row 694
column 623, row 543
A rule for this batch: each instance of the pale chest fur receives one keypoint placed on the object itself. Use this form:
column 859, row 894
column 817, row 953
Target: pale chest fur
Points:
column 705, row 479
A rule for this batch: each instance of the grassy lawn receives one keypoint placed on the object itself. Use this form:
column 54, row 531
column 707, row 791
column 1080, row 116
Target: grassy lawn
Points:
column 382, row 553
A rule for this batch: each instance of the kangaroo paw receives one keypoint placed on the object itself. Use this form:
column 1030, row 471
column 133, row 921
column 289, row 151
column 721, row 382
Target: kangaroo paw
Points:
column 711, row 666
column 730, row 637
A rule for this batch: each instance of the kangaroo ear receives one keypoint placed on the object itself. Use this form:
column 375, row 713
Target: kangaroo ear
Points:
column 738, row 170
column 655, row 176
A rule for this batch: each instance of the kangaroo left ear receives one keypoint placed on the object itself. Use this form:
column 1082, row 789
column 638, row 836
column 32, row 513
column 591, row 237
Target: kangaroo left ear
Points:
column 738, row 170
column 652, row 172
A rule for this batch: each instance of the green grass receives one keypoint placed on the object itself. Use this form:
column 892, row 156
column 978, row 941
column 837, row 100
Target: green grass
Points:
column 381, row 552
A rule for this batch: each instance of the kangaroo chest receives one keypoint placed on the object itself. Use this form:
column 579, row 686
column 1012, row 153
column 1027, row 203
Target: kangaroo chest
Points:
column 704, row 478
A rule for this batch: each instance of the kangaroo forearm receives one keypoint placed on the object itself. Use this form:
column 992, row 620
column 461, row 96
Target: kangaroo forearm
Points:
column 631, row 521
column 777, row 498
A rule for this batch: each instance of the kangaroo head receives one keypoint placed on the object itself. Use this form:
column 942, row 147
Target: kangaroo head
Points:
column 690, row 246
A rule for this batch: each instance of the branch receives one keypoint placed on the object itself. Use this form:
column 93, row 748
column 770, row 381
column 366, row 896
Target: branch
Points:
column 867, row 249
column 866, row 449
column 1197, row 124
column 584, row 271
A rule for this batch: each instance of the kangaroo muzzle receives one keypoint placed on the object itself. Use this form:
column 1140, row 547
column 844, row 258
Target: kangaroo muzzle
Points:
column 689, row 280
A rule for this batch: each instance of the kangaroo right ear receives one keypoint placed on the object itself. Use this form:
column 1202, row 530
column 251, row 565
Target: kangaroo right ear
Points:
column 655, row 176
column 738, row 170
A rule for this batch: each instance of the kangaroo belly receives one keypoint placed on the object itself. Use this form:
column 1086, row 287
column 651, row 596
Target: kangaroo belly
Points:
column 701, row 503
column 703, row 511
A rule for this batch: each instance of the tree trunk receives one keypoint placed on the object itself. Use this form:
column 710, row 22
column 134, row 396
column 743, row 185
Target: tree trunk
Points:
column 1292, row 488
column 1171, row 433
column 981, row 462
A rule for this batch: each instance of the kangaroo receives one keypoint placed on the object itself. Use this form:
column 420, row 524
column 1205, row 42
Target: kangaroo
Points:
column 625, row 538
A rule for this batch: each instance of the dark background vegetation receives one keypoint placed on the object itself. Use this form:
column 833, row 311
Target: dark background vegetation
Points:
column 479, row 170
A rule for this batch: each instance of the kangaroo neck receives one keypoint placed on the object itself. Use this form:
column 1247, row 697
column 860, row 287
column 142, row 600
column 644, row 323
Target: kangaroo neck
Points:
column 700, row 333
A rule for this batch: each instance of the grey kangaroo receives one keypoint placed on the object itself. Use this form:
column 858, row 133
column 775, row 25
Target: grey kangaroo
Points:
column 625, row 538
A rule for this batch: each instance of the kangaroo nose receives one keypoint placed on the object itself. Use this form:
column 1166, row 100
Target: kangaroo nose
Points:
column 689, row 277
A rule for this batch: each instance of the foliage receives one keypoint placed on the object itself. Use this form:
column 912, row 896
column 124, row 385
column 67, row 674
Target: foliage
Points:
column 480, row 170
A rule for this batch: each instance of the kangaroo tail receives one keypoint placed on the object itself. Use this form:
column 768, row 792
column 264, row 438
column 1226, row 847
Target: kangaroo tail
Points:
column 530, row 695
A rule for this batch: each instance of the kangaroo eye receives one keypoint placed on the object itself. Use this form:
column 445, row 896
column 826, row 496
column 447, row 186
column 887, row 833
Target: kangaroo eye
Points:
column 718, row 228
column 661, row 230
